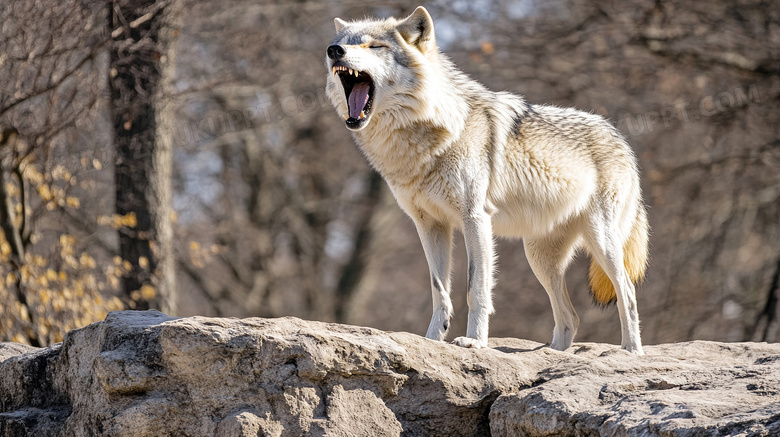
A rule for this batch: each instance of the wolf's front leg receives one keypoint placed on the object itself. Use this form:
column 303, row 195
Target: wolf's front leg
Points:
column 479, row 247
column 436, row 239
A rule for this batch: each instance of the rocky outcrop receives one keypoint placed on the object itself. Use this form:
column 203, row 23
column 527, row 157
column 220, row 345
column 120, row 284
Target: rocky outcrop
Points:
column 147, row 374
column 684, row 389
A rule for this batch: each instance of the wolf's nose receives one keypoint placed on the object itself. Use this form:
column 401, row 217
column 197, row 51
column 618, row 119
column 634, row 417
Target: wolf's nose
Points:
column 335, row 52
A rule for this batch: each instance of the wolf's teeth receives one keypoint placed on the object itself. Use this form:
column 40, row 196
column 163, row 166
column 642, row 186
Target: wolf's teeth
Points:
column 362, row 115
column 350, row 72
column 356, row 73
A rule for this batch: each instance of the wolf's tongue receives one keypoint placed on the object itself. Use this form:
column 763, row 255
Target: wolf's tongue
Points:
column 358, row 98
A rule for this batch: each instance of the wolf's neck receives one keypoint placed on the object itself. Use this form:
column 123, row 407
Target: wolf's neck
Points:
column 403, row 153
column 415, row 128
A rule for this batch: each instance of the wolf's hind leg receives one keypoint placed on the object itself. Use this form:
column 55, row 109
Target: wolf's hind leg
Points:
column 549, row 257
column 436, row 240
column 607, row 249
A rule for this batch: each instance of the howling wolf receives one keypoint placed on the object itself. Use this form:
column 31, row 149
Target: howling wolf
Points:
column 457, row 155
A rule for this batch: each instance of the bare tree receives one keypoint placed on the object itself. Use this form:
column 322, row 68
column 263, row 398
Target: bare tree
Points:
column 141, row 52
column 52, row 63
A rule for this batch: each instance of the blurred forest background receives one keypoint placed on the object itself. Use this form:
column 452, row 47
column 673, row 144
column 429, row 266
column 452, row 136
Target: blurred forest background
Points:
column 181, row 155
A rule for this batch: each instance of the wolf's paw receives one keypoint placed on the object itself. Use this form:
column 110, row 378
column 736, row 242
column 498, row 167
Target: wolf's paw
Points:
column 469, row 342
column 560, row 345
column 436, row 333
column 562, row 338
column 635, row 349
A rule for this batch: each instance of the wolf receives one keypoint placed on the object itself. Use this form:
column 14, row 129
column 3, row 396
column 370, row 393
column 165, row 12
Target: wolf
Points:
column 459, row 156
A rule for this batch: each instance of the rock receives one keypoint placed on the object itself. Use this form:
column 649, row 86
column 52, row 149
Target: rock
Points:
column 8, row 350
column 691, row 389
column 248, row 424
column 366, row 413
column 148, row 374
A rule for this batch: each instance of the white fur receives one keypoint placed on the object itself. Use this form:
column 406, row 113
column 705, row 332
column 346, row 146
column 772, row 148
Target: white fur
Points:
column 458, row 156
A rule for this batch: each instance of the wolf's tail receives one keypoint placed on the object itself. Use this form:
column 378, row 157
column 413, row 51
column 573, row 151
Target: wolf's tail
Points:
column 635, row 254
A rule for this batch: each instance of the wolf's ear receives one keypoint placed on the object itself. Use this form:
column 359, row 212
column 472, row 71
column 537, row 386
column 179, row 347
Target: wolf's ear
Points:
column 340, row 24
column 417, row 29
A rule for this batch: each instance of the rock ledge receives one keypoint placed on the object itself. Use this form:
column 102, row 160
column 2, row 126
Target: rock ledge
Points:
column 148, row 374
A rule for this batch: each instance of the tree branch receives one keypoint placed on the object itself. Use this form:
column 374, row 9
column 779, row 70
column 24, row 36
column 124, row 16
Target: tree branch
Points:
column 57, row 83
column 7, row 214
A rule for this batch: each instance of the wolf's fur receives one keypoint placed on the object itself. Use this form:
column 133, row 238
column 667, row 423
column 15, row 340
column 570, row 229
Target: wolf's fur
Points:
column 457, row 155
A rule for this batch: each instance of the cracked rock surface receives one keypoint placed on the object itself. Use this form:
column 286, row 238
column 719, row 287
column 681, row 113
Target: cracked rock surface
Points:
column 148, row 374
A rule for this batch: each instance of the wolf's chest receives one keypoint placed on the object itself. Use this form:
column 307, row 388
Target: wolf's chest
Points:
column 435, row 195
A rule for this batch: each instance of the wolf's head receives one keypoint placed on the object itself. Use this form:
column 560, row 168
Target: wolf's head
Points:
column 378, row 66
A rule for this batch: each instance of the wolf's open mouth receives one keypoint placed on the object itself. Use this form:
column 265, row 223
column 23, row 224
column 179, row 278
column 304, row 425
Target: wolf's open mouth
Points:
column 359, row 91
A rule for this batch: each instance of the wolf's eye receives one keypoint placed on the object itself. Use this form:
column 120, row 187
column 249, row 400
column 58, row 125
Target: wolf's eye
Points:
column 377, row 46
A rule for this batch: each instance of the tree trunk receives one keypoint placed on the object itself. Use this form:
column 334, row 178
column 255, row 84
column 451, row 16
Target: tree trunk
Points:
column 162, row 159
column 767, row 323
column 140, row 62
